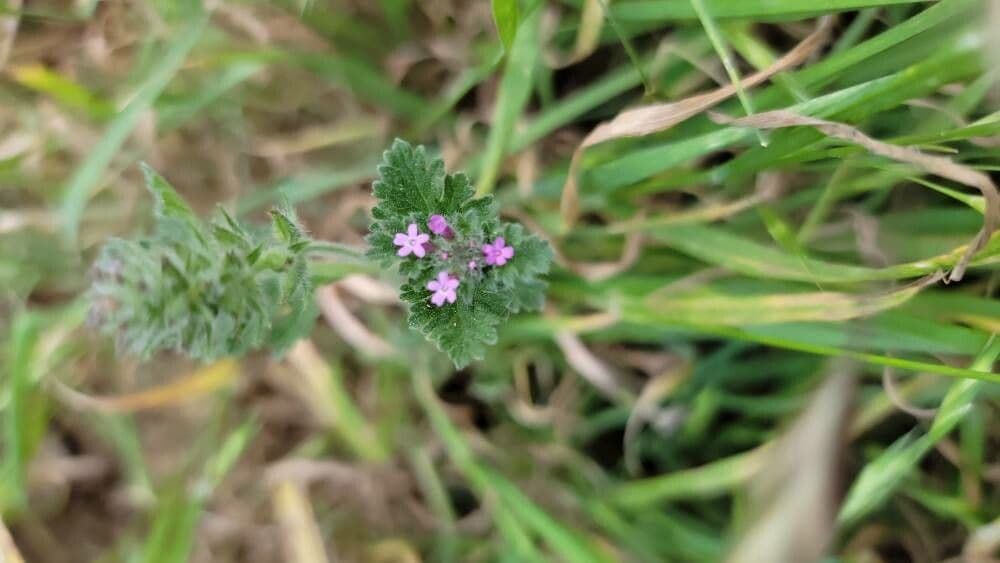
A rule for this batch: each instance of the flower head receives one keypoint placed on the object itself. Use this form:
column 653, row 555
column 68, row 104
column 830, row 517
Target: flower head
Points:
column 411, row 241
column 439, row 226
column 498, row 253
column 444, row 289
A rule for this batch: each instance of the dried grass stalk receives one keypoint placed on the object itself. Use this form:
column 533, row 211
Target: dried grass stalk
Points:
column 932, row 164
column 644, row 120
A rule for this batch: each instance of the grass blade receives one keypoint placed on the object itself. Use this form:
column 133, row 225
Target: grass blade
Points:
column 88, row 174
column 515, row 89
column 506, row 18
column 881, row 476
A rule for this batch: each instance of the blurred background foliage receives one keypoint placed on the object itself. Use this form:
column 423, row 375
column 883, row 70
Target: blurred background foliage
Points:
column 742, row 356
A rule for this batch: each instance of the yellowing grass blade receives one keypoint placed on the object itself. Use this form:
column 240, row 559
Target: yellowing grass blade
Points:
column 191, row 386
column 300, row 534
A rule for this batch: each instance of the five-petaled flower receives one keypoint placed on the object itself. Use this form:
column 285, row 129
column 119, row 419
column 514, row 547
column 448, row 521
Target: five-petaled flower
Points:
column 439, row 226
column 411, row 241
column 498, row 253
column 444, row 289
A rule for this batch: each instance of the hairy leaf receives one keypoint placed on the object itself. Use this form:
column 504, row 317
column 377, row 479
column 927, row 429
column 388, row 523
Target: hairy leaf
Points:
column 205, row 289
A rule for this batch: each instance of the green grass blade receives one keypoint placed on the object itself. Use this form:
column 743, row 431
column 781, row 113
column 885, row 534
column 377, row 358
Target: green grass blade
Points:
column 16, row 420
column 88, row 174
column 567, row 544
column 880, row 477
column 722, row 248
column 506, row 17
column 515, row 89
column 710, row 480
column 175, row 524
column 669, row 10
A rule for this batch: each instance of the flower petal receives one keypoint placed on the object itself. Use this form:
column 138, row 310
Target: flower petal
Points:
column 438, row 299
column 418, row 250
column 400, row 239
column 412, row 230
column 437, row 224
column 451, row 296
column 404, row 250
column 422, row 238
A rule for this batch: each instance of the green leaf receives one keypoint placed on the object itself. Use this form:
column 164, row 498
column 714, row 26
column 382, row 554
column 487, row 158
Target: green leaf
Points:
column 408, row 182
column 457, row 193
column 527, row 296
column 461, row 330
column 166, row 200
column 286, row 225
column 532, row 255
column 505, row 16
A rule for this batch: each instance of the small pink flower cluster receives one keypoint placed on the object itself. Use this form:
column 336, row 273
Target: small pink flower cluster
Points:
column 444, row 288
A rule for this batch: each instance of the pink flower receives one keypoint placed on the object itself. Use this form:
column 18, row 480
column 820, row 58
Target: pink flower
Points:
column 411, row 241
column 444, row 289
column 439, row 226
column 498, row 253
column 472, row 264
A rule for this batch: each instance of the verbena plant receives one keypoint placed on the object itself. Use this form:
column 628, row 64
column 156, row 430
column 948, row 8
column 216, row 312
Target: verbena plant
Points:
column 222, row 288
column 465, row 271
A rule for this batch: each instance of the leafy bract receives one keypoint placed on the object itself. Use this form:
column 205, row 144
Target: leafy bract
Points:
column 205, row 289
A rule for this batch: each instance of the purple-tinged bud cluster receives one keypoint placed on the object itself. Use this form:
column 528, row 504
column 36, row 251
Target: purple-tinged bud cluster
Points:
column 439, row 226
column 457, row 256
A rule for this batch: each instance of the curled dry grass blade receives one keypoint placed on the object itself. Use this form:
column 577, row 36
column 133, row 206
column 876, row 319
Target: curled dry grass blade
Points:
column 937, row 165
column 645, row 120
column 597, row 372
column 348, row 326
column 597, row 271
